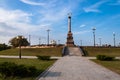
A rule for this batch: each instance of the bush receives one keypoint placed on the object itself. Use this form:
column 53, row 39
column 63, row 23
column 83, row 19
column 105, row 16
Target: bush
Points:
column 4, row 47
column 104, row 58
column 24, row 71
column 100, row 57
column 8, row 69
column 43, row 57
column 108, row 58
column 32, row 70
column 21, row 70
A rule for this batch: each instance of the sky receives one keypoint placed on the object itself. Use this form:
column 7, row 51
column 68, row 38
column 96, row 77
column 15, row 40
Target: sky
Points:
column 34, row 17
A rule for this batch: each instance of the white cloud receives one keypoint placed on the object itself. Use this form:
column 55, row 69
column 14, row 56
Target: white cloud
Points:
column 94, row 7
column 55, row 11
column 12, row 21
column 53, row 16
column 17, row 22
column 81, row 32
column 83, row 25
column 115, row 3
column 5, row 28
column 8, row 17
column 32, row 2
column 14, row 15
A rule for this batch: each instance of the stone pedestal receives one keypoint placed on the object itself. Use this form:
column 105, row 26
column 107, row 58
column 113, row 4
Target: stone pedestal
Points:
column 70, row 41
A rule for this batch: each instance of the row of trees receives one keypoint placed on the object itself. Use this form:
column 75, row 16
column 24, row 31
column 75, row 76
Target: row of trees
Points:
column 4, row 47
column 20, row 41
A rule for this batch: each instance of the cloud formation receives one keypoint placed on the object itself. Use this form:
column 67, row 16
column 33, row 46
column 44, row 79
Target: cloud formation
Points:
column 117, row 2
column 82, row 32
column 33, row 2
column 13, row 16
column 94, row 7
column 15, row 22
column 83, row 25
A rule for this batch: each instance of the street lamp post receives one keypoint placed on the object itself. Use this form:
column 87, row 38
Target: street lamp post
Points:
column 29, row 39
column 48, row 37
column 81, row 42
column 58, row 42
column 39, row 41
column 20, row 43
column 20, row 50
column 100, row 41
column 94, row 35
column 114, row 38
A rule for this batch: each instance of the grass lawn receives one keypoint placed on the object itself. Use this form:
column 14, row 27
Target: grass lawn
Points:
column 91, row 51
column 34, row 51
column 39, row 64
column 112, row 65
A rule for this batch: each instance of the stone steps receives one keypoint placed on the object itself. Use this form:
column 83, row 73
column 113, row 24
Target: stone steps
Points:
column 74, row 51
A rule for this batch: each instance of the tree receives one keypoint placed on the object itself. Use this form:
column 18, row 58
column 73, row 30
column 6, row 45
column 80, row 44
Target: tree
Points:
column 19, row 41
column 4, row 47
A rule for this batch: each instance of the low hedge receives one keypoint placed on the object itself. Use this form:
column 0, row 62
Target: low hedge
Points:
column 43, row 57
column 9, row 69
column 105, row 58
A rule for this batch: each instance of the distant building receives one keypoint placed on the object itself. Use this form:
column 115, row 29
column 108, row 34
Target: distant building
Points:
column 53, row 42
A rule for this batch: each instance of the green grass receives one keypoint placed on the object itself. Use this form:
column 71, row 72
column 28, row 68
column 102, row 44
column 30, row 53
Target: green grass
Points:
column 34, row 51
column 39, row 64
column 91, row 51
column 112, row 65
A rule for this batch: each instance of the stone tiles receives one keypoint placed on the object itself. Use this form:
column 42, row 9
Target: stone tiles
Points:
column 78, row 68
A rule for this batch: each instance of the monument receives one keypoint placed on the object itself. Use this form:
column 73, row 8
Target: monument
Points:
column 70, row 42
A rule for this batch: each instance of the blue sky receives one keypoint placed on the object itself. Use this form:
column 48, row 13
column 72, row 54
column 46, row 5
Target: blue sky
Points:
column 34, row 17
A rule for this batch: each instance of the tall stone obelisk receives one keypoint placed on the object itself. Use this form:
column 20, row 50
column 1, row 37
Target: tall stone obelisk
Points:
column 70, row 41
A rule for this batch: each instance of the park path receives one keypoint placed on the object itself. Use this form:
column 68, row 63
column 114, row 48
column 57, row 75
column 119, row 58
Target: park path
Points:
column 77, row 68
column 28, row 57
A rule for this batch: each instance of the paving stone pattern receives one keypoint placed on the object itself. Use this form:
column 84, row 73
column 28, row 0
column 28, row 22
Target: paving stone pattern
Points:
column 78, row 68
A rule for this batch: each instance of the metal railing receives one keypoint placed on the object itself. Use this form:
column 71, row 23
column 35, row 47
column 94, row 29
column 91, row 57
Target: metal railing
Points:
column 83, row 54
column 63, row 50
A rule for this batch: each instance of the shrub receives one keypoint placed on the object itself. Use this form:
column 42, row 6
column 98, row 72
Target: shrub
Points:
column 104, row 58
column 8, row 69
column 21, row 70
column 43, row 57
column 108, row 58
column 24, row 71
column 32, row 70
column 4, row 47
column 100, row 57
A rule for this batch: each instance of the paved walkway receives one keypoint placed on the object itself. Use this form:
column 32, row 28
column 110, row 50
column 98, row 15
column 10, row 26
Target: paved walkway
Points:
column 34, row 57
column 78, row 68
column 29, row 57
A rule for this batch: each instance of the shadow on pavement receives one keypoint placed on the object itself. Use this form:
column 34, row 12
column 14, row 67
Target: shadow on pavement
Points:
column 53, row 74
